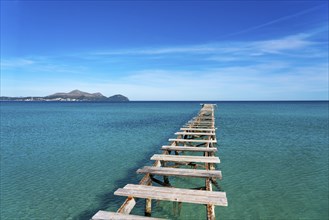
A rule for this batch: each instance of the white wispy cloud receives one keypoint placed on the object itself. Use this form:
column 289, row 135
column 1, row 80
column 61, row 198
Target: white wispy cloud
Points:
column 161, row 50
column 255, row 82
column 216, row 51
column 8, row 63
column 277, row 20
column 40, row 65
column 278, row 45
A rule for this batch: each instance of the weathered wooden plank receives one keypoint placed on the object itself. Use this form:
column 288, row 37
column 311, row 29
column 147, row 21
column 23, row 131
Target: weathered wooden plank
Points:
column 193, row 140
column 105, row 215
column 195, row 133
column 197, row 126
column 189, row 148
column 174, row 194
column 198, row 129
column 209, row 124
column 188, row 159
column 208, row 117
column 200, row 122
column 174, row 190
column 164, row 171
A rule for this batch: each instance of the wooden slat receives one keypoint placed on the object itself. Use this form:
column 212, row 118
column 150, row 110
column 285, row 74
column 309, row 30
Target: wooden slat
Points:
column 105, row 215
column 198, row 129
column 200, row 122
column 198, row 125
column 174, row 194
column 164, row 171
column 209, row 124
column 195, row 133
column 189, row 148
column 202, row 118
column 188, row 159
column 193, row 140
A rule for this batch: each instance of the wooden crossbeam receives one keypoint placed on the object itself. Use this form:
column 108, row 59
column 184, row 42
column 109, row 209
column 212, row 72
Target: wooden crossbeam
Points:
column 203, row 117
column 189, row 148
column 198, row 129
column 105, row 215
column 193, row 140
column 173, row 194
column 200, row 122
column 195, row 133
column 164, row 171
column 187, row 159
column 196, row 126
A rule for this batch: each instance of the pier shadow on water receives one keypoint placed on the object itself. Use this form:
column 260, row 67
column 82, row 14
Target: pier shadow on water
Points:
column 108, row 200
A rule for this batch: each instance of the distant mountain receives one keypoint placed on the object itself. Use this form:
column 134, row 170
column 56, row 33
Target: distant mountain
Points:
column 75, row 95
column 118, row 98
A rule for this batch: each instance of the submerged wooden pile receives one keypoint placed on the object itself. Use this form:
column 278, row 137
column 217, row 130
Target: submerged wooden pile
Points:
column 198, row 135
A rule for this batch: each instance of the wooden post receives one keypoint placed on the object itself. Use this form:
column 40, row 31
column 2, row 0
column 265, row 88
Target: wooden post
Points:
column 165, row 178
column 148, row 207
column 177, row 207
column 210, row 207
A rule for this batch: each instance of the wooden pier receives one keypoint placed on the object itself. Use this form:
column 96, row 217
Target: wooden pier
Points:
column 197, row 135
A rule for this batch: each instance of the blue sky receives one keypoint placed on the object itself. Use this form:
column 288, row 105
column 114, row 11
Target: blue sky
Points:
column 166, row 50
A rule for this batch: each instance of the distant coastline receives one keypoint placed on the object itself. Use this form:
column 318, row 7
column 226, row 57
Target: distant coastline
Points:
column 73, row 96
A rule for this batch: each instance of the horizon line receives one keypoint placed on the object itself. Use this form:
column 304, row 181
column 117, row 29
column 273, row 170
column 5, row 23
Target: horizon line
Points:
column 249, row 100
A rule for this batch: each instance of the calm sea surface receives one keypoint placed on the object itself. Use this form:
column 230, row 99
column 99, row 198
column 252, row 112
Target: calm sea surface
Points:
column 65, row 160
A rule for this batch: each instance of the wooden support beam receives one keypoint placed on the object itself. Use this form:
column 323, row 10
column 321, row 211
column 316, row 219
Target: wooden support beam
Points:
column 148, row 207
column 177, row 207
column 210, row 207
column 189, row 148
column 127, row 206
column 160, row 182
column 195, row 133
column 193, row 140
column 196, row 126
column 164, row 171
column 200, row 122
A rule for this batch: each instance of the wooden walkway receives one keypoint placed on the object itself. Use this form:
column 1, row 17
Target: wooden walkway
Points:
column 197, row 135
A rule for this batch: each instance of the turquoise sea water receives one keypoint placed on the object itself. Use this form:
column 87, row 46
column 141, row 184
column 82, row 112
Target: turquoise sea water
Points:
column 65, row 160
